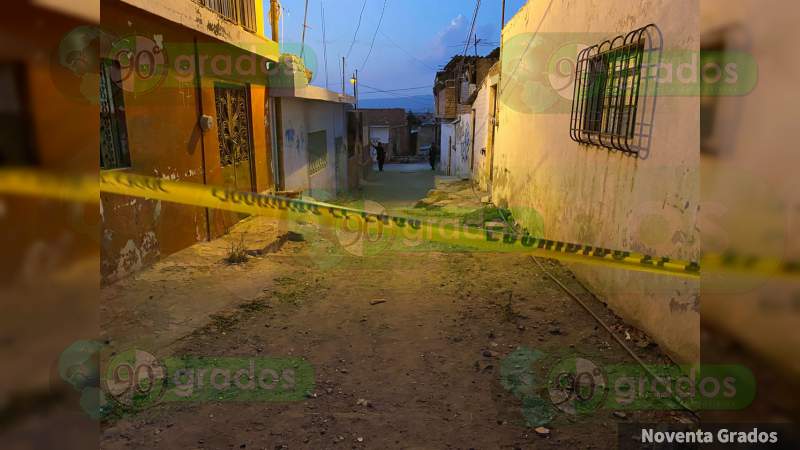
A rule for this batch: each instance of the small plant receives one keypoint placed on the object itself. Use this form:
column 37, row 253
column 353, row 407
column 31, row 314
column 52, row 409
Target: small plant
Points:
column 237, row 252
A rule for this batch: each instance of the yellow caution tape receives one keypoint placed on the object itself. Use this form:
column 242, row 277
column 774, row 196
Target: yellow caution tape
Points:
column 86, row 189
column 38, row 183
column 406, row 228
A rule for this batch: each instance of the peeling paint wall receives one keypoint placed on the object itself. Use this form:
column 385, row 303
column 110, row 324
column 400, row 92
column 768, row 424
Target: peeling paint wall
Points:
column 462, row 147
column 301, row 117
column 446, row 147
column 484, row 123
column 165, row 141
column 566, row 191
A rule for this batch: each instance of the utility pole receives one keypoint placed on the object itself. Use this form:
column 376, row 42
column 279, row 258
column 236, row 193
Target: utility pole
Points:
column 324, row 44
column 279, row 181
column 344, row 91
column 274, row 19
column 355, row 87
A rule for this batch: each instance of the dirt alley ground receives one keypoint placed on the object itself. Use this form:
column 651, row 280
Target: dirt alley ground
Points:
column 407, row 343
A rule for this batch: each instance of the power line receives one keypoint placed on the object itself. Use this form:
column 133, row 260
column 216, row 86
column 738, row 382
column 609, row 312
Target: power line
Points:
column 466, row 45
column 305, row 26
column 385, row 2
column 408, row 53
column 472, row 27
column 411, row 99
column 324, row 44
column 355, row 35
column 408, row 89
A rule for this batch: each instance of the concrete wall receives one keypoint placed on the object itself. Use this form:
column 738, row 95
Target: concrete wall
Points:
column 425, row 136
column 301, row 117
column 586, row 194
column 447, row 136
column 484, row 123
column 355, row 148
column 751, row 194
column 462, row 151
column 165, row 141
column 56, row 102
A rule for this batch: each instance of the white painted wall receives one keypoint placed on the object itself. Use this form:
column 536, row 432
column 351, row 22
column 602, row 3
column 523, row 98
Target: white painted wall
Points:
column 379, row 134
column 448, row 136
column 460, row 166
column 301, row 117
column 483, row 114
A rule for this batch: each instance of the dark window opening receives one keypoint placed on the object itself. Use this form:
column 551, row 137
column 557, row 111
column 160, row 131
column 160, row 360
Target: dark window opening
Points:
column 114, row 152
column 16, row 141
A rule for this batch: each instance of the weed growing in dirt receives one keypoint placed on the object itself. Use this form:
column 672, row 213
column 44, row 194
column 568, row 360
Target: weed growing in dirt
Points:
column 237, row 252
column 222, row 322
column 487, row 214
column 254, row 306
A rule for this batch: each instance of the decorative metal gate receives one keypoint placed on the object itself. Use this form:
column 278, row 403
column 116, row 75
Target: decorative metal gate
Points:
column 233, row 130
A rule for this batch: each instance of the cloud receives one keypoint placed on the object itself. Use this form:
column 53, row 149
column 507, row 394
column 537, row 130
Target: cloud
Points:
column 456, row 22
column 441, row 47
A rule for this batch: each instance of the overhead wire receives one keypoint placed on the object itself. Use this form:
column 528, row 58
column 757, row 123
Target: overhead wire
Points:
column 411, row 55
column 358, row 26
column 372, row 44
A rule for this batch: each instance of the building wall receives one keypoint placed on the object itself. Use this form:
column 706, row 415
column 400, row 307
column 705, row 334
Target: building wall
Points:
column 446, row 103
column 751, row 194
column 425, row 136
column 358, row 157
column 447, row 138
column 301, row 117
column 484, row 111
column 58, row 102
column 395, row 119
column 166, row 141
column 462, row 149
column 562, row 190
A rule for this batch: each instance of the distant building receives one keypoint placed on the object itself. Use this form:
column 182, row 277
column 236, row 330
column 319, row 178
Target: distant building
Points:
column 389, row 126
column 312, row 153
column 453, row 88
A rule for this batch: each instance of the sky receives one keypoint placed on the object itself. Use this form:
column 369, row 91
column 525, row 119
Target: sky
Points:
column 415, row 38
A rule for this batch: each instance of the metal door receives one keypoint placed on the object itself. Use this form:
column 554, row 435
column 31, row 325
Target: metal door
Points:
column 235, row 136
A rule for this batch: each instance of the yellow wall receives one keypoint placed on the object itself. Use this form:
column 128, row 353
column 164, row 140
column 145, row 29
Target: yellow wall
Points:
column 586, row 194
column 751, row 192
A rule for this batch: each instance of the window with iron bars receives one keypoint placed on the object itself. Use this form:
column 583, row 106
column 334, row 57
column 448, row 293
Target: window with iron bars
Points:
column 114, row 152
column 606, row 92
column 242, row 12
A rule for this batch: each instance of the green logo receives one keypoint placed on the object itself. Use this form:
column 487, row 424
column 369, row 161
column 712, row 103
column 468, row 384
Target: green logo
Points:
column 577, row 385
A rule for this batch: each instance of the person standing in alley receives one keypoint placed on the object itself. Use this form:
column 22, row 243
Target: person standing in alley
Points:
column 381, row 153
column 433, row 153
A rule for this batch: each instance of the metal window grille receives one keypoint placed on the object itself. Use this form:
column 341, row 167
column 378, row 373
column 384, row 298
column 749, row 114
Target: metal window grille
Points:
column 317, row 151
column 242, row 12
column 607, row 90
column 247, row 14
column 113, row 131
